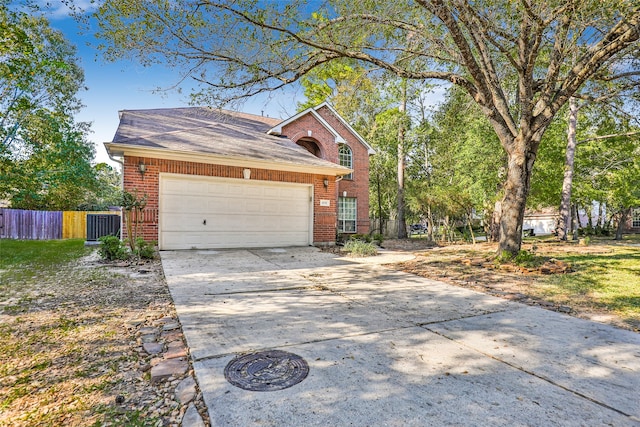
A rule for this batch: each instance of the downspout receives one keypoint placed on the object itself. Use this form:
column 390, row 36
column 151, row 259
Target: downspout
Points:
column 121, row 163
column 338, row 179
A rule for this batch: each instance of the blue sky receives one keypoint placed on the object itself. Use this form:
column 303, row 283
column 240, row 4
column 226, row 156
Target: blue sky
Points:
column 124, row 85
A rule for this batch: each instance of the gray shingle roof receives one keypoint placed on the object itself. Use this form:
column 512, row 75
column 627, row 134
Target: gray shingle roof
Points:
column 209, row 131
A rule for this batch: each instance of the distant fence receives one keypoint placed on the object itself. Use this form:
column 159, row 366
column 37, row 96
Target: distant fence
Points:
column 44, row 225
column 389, row 227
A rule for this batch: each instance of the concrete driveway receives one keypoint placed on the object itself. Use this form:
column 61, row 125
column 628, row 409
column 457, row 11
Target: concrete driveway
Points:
column 387, row 348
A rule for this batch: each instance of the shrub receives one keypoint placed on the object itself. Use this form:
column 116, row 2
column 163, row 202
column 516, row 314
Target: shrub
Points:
column 112, row 248
column 144, row 249
column 378, row 238
column 359, row 248
column 362, row 237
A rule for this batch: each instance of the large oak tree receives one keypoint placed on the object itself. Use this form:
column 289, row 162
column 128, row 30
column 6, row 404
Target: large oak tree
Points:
column 519, row 60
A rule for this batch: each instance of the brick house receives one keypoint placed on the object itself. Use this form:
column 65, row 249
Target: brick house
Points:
column 221, row 179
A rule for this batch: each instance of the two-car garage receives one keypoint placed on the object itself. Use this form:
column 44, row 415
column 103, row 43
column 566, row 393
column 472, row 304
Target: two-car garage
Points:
column 210, row 212
column 214, row 179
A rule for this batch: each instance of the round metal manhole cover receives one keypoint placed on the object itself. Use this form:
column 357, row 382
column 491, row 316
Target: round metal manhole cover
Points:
column 266, row 370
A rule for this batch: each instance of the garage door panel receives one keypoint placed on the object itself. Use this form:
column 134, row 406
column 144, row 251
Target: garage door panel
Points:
column 177, row 187
column 217, row 240
column 238, row 213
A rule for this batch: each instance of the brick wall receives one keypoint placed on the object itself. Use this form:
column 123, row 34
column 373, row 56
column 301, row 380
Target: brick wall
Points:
column 309, row 127
column 325, row 218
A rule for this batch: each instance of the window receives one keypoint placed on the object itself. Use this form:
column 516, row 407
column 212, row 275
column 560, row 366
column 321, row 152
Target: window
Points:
column 345, row 158
column 635, row 218
column 347, row 214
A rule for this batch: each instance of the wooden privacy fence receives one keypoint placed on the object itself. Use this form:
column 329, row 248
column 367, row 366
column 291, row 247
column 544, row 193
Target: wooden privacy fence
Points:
column 45, row 225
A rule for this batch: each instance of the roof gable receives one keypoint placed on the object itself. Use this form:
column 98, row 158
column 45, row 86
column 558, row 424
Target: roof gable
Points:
column 277, row 130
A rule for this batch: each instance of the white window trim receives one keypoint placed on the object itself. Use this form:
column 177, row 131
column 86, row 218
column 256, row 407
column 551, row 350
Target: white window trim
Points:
column 350, row 165
column 341, row 221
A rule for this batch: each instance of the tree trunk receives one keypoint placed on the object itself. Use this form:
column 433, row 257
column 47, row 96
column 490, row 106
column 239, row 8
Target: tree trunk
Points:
column 516, row 189
column 402, row 224
column 576, row 222
column 601, row 221
column 470, row 224
column 622, row 223
column 429, row 224
column 565, row 203
column 494, row 227
column 379, row 205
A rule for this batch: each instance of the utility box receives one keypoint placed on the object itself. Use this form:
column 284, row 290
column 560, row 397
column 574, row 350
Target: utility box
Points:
column 99, row 225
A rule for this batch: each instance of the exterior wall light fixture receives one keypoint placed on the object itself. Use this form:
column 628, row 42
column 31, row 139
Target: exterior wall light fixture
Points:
column 142, row 168
column 326, row 183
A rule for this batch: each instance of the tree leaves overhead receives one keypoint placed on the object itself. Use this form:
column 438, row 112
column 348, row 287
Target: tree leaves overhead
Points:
column 45, row 159
column 39, row 70
column 242, row 47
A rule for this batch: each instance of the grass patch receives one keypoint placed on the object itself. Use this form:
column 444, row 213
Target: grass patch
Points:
column 27, row 259
column 41, row 252
column 610, row 281
column 523, row 258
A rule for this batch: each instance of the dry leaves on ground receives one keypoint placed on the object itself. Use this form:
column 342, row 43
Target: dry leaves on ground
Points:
column 69, row 348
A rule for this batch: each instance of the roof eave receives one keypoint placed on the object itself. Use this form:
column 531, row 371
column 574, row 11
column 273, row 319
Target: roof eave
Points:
column 119, row 149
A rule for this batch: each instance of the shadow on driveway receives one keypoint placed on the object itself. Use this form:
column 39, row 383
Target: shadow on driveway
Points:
column 390, row 348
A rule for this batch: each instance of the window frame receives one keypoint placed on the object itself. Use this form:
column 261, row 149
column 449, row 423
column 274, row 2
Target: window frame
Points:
column 352, row 216
column 345, row 158
column 635, row 218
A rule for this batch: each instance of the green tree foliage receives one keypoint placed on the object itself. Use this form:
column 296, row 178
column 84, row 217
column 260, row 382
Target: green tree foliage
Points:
column 45, row 159
column 105, row 191
column 546, row 180
column 39, row 71
column 57, row 171
column 354, row 92
column 608, row 169
column 520, row 62
column 464, row 166
column 383, row 135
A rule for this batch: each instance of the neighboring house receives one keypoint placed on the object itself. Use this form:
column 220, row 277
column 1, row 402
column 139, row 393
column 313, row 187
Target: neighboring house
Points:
column 545, row 221
column 222, row 179
column 634, row 221
column 542, row 222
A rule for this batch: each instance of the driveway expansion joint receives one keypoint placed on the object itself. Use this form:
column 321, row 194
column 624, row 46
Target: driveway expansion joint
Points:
column 471, row 316
column 533, row 374
column 297, row 344
column 259, row 291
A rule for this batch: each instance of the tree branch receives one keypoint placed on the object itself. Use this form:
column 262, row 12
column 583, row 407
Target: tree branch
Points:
column 613, row 135
column 621, row 36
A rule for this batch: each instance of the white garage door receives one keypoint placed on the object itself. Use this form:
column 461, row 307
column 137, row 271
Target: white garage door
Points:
column 203, row 212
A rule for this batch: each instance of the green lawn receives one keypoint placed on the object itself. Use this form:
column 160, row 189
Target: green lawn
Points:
column 608, row 279
column 24, row 259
